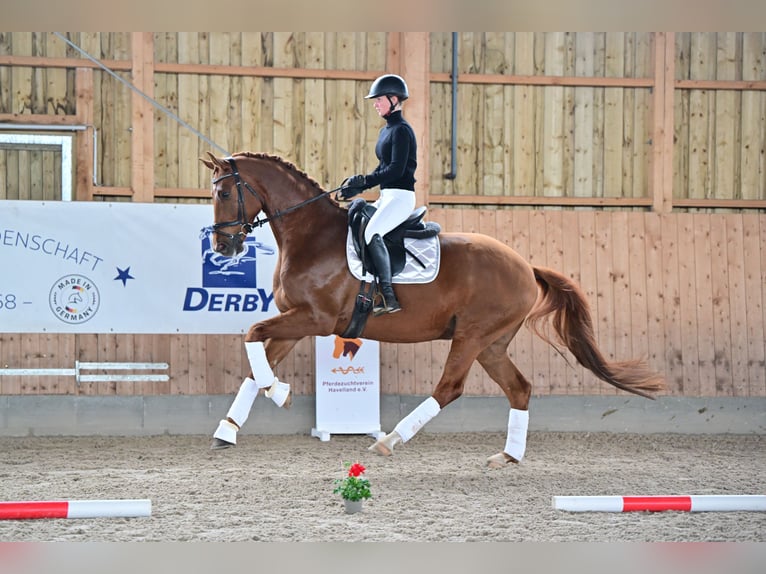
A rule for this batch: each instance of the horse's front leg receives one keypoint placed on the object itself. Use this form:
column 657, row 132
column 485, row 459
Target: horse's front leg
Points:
column 274, row 351
column 295, row 323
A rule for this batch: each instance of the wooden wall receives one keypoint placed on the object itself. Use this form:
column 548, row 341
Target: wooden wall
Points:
column 634, row 162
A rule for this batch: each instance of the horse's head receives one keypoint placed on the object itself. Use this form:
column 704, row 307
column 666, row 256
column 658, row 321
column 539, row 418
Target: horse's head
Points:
column 235, row 206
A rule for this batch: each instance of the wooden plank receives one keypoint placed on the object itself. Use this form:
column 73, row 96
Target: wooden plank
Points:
column 655, row 291
column 218, row 90
column 215, row 352
column 637, row 286
column 314, row 157
column 10, row 353
column 142, row 140
column 583, row 124
column 523, row 119
column 702, row 286
column 389, row 373
column 84, row 166
column 720, row 300
column 752, row 118
column 164, row 126
column 758, row 386
column 754, row 301
column 614, row 117
column 190, row 147
column 688, row 305
column 179, row 364
column 197, row 349
column 671, row 297
column 738, row 312
column 553, row 120
column 725, row 140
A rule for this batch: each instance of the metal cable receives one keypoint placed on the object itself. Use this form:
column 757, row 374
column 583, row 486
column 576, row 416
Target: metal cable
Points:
column 142, row 94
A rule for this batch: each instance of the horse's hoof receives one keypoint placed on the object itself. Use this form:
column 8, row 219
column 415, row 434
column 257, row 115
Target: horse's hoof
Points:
column 219, row 444
column 288, row 401
column 380, row 448
column 500, row 460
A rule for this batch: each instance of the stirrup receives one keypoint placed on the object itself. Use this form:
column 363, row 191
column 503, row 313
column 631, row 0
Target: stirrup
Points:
column 383, row 309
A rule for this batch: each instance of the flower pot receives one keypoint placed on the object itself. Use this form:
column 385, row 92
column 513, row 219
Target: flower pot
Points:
column 353, row 506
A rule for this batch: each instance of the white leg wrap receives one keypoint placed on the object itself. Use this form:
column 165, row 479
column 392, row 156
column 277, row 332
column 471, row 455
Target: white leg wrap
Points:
column 226, row 431
column 278, row 392
column 256, row 354
column 243, row 402
column 516, row 443
column 413, row 422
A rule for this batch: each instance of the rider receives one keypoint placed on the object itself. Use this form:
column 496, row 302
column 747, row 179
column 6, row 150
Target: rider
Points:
column 396, row 151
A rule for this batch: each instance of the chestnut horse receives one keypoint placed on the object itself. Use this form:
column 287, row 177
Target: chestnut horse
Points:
column 483, row 294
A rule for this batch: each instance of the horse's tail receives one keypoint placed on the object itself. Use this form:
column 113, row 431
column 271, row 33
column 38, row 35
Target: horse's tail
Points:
column 573, row 325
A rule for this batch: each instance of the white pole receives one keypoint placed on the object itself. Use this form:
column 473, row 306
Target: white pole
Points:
column 695, row 503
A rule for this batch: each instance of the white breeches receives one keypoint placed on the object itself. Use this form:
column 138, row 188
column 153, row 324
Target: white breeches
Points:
column 393, row 207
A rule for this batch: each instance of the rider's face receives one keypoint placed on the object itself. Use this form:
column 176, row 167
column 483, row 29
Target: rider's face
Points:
column 382, row 105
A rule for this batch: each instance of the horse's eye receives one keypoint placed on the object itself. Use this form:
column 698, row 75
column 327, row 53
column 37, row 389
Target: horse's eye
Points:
column 225, row 194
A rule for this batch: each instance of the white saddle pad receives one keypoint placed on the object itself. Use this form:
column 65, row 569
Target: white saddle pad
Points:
column 426, row 250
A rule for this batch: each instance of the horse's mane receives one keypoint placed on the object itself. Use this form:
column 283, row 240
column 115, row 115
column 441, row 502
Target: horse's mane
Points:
column 283, row 162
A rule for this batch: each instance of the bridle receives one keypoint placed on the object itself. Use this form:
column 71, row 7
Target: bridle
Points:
column 245, row 226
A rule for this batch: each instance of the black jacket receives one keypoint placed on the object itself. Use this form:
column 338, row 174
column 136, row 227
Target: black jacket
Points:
column 397, row 152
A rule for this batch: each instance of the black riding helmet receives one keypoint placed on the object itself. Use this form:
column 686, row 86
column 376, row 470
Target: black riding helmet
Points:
column 389, row 85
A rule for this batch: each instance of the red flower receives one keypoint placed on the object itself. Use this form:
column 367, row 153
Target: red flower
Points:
column 355, row 469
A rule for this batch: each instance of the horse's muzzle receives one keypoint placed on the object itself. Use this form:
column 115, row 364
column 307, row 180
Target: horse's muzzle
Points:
column 229, row 248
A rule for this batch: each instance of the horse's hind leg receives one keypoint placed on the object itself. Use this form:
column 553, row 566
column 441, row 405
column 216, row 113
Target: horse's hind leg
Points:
column 517, row 388
column 225, row 435
column 459, row 360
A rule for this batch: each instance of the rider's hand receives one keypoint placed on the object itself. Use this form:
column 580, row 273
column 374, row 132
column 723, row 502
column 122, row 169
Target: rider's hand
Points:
column 354, row 185
column 358, row 180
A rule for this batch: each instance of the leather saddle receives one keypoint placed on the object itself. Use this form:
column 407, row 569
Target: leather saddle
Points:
column 359, row 214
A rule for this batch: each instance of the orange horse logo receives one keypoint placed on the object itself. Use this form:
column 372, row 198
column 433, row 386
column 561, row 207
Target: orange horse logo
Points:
column 347, row 347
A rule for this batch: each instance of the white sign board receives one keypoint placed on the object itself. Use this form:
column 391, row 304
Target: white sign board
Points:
column 91, row 267
column 347, row 387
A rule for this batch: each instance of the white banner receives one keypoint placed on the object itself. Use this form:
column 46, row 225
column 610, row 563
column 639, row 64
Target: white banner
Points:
column 88, row 267
column 347, row 387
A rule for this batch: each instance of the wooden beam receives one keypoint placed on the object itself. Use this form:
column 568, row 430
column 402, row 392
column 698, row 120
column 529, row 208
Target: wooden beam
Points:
column 84, row 167
column 525, row 80
column 47, row 62
column 39, row 119
column 509, row 200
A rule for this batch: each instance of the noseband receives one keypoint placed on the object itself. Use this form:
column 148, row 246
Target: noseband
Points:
column 245, row 226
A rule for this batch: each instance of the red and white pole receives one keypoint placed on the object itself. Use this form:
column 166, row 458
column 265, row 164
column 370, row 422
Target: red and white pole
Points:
column 75, row 509
column 698, row 503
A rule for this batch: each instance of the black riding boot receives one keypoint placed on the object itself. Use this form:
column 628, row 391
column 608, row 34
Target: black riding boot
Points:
column 379, row 253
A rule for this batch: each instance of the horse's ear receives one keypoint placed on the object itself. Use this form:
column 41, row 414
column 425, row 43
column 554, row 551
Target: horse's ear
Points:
column 209, row 163
column 213, row 162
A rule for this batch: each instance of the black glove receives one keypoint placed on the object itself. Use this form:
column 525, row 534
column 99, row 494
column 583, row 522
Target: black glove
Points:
column 359, row 181
column 354, row 185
